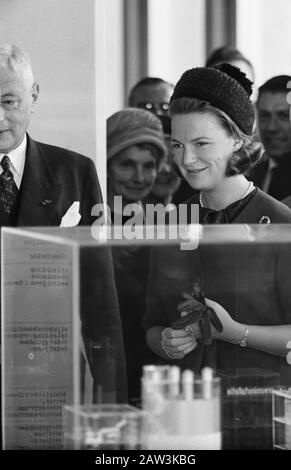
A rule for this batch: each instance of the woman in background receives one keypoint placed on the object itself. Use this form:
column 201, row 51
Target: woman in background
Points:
column 135, row 148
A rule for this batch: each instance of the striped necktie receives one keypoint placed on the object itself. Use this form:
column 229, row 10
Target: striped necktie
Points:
column 8, row 188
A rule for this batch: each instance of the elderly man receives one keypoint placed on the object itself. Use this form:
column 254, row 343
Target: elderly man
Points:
column 273, row 174
column 44, row 185
column 38, row 182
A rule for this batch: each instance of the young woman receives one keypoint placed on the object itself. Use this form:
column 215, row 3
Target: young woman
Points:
column 248, row 286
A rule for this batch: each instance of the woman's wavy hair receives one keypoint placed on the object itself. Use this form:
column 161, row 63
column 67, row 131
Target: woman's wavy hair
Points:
column 244, row 159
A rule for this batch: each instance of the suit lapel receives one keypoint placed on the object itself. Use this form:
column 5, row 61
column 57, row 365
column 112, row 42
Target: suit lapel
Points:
column 258, row 174
column 39, row 191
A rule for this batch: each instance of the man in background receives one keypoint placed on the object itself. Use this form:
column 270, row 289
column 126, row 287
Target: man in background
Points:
column 273, row 174
column 152, row 94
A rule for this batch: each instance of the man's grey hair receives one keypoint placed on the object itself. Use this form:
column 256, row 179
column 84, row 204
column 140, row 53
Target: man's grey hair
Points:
column 13, row 57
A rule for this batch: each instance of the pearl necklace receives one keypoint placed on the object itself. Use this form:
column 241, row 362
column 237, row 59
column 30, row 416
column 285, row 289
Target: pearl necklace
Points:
column 245, row 194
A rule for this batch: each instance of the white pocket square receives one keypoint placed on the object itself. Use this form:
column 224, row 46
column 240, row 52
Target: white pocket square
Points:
column 72, row 217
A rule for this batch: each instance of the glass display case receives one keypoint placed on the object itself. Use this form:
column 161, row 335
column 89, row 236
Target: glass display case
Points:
column 76, row 304
column 61, row 333
column 282, row 419
column 247, row 408
column 182, row 411
column 104, row 427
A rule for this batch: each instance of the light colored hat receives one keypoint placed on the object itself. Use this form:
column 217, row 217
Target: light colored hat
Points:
column 133, row 126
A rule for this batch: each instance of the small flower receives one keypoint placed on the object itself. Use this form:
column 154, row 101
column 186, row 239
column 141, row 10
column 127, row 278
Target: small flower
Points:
column 265, row 220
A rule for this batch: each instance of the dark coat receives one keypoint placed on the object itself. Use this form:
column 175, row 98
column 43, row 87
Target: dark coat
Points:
column 252, row 281
column 280, row 184
column 53, row 179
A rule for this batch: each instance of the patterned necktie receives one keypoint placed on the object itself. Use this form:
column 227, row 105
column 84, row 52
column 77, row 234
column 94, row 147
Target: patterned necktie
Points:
column 8, row 188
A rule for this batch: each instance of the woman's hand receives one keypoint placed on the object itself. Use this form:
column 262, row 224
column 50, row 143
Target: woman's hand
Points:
column 177, row 343
column 230, row 326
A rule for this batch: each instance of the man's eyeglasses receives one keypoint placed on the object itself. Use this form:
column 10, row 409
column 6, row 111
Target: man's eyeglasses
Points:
column 156, row 108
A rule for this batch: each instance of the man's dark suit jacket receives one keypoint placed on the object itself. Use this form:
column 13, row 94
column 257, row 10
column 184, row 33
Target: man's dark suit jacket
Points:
column 53, row 179
column 280, row 184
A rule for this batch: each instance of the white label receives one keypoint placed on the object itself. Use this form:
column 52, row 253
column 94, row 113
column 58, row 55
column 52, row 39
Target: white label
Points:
column 211, row 441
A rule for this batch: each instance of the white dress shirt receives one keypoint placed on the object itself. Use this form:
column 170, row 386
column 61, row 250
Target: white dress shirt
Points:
column 17, row 160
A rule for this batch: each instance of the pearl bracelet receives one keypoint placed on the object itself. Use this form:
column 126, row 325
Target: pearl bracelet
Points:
column 243, row 342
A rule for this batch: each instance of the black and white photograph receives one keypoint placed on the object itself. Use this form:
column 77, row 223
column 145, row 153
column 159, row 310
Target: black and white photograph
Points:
column 145, row 215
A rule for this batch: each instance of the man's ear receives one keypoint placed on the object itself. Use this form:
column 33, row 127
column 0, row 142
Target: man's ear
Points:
column 34, row 94
column 237, row 145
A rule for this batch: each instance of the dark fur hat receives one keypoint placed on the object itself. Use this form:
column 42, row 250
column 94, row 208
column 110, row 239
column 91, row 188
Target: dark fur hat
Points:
column 224, row 86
